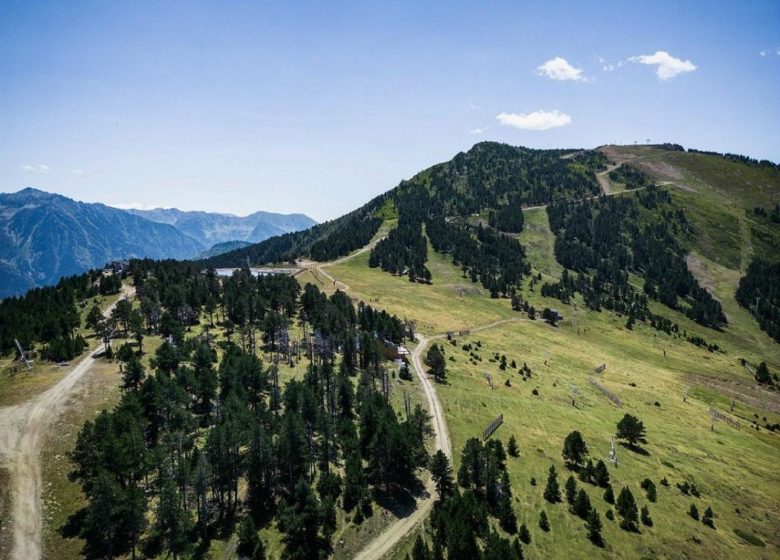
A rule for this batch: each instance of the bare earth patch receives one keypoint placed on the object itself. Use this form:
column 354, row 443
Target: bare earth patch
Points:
column 661, row 169
column 702, row 274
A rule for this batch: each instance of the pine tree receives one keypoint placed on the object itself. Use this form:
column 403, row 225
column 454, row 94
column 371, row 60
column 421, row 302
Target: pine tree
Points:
column 512, row 447
column 708, row 517
column 571, row 490
column 544, row 523
column 248, row 539
column 694, row 512
column 601, row 474
column 524, row 534
column 517, row 550
column 354, row 481
column 609, row 495
column 649, row 488
column 626, row 507
column 762, row 374
column 172, row 523
column 587, row 472
column 420, row 550
column 645, row 516
column 631, row 429
column 506, row 514
column 441, row 472
column 434, row 359
column 136, row 324
column 574, row 449
column 94, row 318
column 594, row 528
column 552, row 492
column 581, row 504
column 133, row 375
column 300, row 521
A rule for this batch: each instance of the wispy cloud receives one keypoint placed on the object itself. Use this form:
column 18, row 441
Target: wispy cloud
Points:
column 477, row 130
column 667, row 66
column 475, row 107
column 609, row 66
column 77, row 171
column 134, row 206
column 558, row 68
column 769, row 52
column 35, row 168
column 537, row 120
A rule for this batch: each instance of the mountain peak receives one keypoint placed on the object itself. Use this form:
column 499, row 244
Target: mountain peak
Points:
column 30, row 193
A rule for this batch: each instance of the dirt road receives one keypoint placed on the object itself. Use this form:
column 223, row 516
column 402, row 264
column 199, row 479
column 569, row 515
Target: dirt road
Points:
column 22, row 431
column 603, row 178
column 391, row 536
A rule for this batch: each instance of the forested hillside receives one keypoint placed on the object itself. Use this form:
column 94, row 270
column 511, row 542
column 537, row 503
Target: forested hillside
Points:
column 206, row 420
column 489, row 177
column 614, row 236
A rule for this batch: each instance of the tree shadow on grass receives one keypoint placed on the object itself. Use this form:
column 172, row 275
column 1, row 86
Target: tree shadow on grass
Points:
column 636, row 449
column 401, row 502
column 72, row 528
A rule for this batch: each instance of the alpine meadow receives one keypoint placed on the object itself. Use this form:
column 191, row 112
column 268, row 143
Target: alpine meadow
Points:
column 561, row 341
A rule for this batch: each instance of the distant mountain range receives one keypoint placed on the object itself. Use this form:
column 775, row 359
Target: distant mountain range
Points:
column 209, row 229
column 45, row 236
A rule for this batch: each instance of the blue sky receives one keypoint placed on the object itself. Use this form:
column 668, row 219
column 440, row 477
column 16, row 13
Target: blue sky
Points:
column 317, row 107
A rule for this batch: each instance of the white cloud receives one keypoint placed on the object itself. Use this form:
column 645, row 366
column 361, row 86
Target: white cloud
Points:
column 474, row 107
column 559, row 69
column 538, row 120
column 667, row 66
column 763, row 53
column 36, row 168
column 77, row 171
column 477, row 130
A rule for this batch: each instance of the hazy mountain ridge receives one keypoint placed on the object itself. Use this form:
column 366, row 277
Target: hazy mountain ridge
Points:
column 210, row 228
column 223, row 247
column 45, row 236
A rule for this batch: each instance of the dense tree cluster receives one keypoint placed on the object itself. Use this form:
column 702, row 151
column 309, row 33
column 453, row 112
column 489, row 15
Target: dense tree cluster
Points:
column 460, row 526
column 630, row 176
column 759, row 293
column 491, row 175
column 403, row 252
column 669, row 146
column 324, row 241
column 48, row 316
column 507, row 218
column 772, row 216
column 497, row 261
column 605, row 239
column 162, row 470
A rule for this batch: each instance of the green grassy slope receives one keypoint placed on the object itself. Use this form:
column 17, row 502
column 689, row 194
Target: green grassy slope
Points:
column 734, row 469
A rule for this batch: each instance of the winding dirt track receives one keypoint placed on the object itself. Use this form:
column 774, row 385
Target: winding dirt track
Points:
column 386, row 541
column 22, row 432
column 392, row 535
